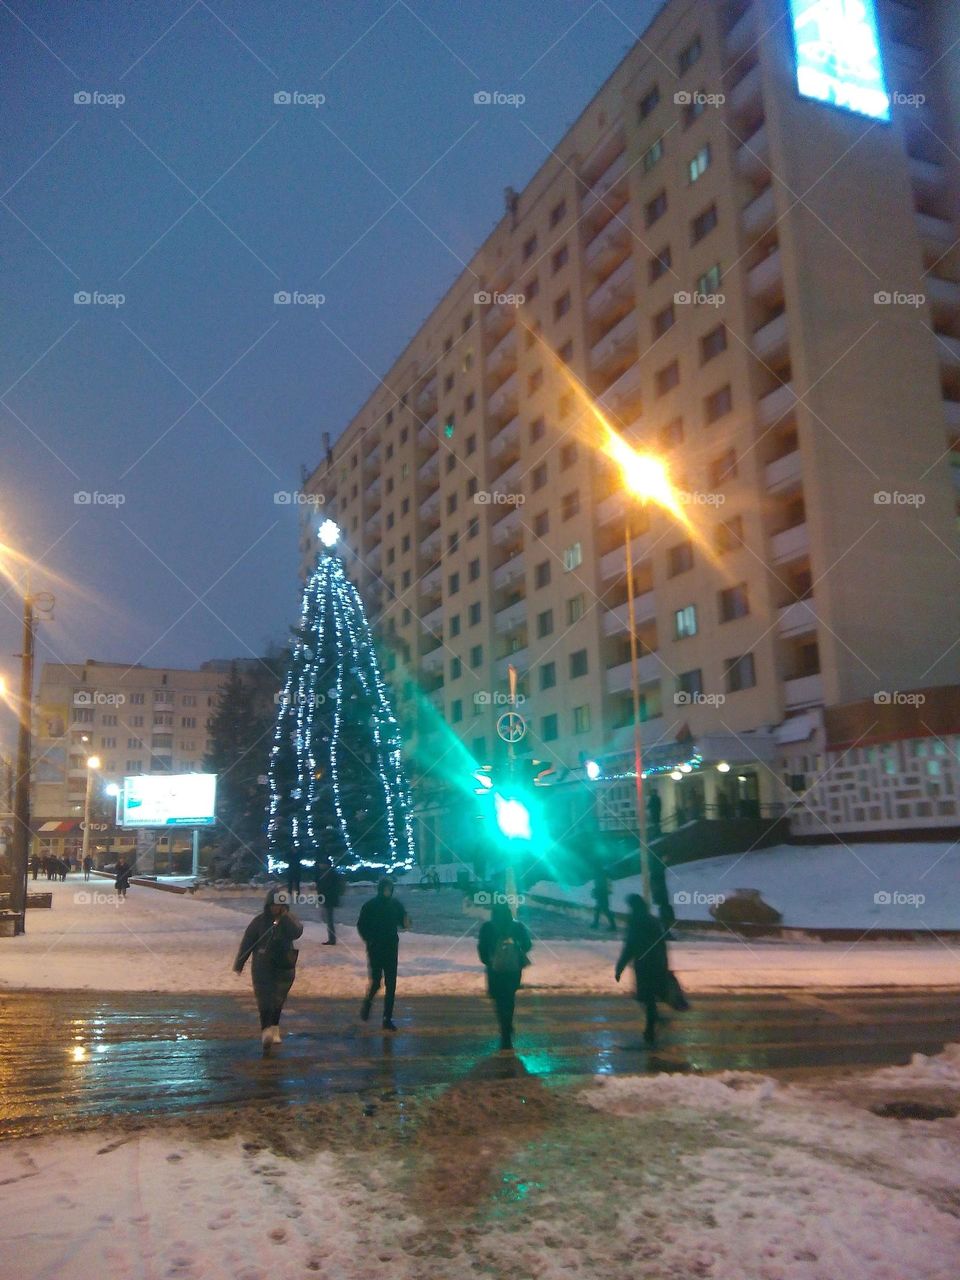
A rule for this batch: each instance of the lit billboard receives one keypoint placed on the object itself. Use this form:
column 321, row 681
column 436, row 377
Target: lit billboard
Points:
column 838, row 55
column 168, row 800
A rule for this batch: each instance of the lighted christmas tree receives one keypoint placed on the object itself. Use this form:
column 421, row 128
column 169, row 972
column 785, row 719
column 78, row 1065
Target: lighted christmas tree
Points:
column 337, row 782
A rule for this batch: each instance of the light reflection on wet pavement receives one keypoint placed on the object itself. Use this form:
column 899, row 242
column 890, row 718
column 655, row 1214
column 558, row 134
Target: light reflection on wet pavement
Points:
column 73, row 1056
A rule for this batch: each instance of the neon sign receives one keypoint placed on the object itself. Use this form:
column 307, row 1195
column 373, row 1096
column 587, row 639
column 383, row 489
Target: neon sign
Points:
column 838, row 55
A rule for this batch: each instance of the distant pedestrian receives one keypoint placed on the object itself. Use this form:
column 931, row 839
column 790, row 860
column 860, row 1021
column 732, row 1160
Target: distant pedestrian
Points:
column 34, row 866
column 379, row 925
column 48, row 866
column 645, row 948
column 654, row 810
column 87, row 867
column 269, row 939
column 601, row 900
column 123, row 873
column 330, row 886
column 504, row 949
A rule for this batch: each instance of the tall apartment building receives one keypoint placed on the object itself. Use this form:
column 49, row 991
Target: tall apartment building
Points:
column 762, row 288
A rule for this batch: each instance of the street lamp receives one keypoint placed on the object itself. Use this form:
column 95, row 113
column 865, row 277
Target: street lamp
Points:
column 93, row 764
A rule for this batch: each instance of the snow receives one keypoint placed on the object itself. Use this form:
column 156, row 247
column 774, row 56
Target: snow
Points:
column 157, row 941
column 730, row 1177
column 815, row 886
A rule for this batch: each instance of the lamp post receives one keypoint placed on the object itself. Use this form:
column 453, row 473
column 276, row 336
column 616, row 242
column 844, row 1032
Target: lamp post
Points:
column 93, row 764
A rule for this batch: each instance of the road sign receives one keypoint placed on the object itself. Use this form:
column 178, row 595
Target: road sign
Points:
column 511, row 726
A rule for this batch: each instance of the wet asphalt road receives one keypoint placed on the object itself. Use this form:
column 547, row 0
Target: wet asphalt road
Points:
column 70, row 1057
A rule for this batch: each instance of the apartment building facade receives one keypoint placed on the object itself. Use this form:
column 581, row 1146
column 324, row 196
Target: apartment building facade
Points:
column 763, row 290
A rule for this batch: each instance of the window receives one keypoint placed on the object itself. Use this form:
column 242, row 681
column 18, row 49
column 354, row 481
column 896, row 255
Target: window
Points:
column 389, row 484
column 456, row 668
column 659, row 264
column 718, row 404
column 703, row 223
column 709, row 282
column 566, row 352
column 405, row 507
column 574, row 609
column 578, row 664
column 655, row 208
column 473, row 569
column 557, row 213
column 700, row 163
column 471, row 487
column 405, row 542
column 672, row 434
column 466, row 322
column 648, row 102
column 663, row 321
column 560, row 258
column 391, row 519
column 570, row 504
column 450, row 462
column 404, row 435
column 453, row 584
column 549, row 727
column 740, row 673
column 729, row 535
column 531, row 289
column 723, row 468
column 541, row 524
column 529, row 248
column 474, row 613
column 667, row 378
column 548, row 676
column 694, row 108
column 581, row 719
column 572, row 557
column 652, row 156
column 685, row 622
column 404, row 470
column 535, row 381
column 564, row 405
column 476, row 656
column 689, row 685
column 451, row 503
column 538, row 430
column 541, row 574
column 690, row 55
column 679, row 559
column 544, row 623
column 561, row 306
column 471, row 445
column 713, row 343
column 538, row 477
column 568, row 455
column 448, row 382
column 733, row 602
column 188, row 699
column 405, row 580
column 456, row 710
column 455, row 625
column 473, row 528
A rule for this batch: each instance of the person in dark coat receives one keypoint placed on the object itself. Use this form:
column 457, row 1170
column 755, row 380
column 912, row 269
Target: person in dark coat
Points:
column 330, row 886
column 269, row 939
column 87, row 867
column 601, row 898
column 379, row 925
column 645, row 948
column 504, row 949
column 34, row 866
column 123, row 873
column 654, row 810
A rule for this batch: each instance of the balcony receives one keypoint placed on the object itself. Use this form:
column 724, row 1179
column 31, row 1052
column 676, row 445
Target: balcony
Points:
column 614, row 563
column 805, row 691
column 741, row 35
column 617, row 288
column 503, row 356
column 504, row 401
column 427, row 399
column 371, row 493
column 948, row 350
column 622, row 393
column 610, row 243
column 433, row 660
column 746, row 92
column 753, row 155
column 610, row 177
column 784, row 474
column 951, row 414
column 612, row 508
column 620, row 678
column 775, row 406
column 520, row 660
column 427, row 434
column 509, row 573
column 944, row 294
column 791, row 544
column 771, row 340
column 797, row 618
column 615, row 342
column 507, row 527
column 937, row 232
column 927, row 176
column 510, row 618
column 430, row 546
column 429, row 472
column 431, row 583
column 433, row 620
column 761, row 213
column 617, row 621
column 430, row 508
column 506, row 443
column 765, row 280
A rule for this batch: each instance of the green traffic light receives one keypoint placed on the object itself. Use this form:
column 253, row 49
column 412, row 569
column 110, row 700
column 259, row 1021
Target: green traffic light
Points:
column 513, row 818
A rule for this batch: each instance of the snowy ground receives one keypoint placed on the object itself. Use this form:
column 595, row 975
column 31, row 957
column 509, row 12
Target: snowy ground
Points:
column 731, row 1177
column 157, row 941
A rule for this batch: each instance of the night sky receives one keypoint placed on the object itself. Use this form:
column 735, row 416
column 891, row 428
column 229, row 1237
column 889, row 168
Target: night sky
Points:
column 197, row 399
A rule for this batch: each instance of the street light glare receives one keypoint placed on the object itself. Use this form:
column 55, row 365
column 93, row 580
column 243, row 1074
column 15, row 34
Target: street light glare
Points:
column 329, row 533
column 93, row 762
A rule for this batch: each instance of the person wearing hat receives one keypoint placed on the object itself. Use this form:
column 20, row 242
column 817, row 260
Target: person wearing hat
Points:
column 379, row 925
column 269, row 939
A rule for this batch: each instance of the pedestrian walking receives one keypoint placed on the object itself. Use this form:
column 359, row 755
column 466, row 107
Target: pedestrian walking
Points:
column 654, row 810
column 645, row 948
column 269, row 939
column 123, row 873
column 504, row 949
column 87, row 867
column 34, row 866
column 601, row 898
column 330, row 887
column 379, row 925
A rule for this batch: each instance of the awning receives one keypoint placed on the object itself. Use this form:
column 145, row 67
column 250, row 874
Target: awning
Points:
column 53, row 828
column 797, row 728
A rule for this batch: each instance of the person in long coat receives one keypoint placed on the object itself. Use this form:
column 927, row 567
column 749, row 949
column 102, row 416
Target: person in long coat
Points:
column 504, row 949
column 645, row 948
column 123, row 874
column 268, row 942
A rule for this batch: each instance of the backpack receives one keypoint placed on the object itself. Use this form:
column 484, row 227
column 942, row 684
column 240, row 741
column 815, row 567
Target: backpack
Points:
column 507, row 955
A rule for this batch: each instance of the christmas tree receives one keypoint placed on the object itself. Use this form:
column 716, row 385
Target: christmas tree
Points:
column 337, row 783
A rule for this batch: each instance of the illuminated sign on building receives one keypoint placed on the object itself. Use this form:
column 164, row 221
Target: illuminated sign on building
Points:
column 838, row 55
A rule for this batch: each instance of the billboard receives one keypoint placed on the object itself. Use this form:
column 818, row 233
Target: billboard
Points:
column 168, row 800
column 839, row 62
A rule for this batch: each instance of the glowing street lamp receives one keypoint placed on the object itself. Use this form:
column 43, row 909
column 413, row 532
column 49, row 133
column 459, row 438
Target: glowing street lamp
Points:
column 329, row 533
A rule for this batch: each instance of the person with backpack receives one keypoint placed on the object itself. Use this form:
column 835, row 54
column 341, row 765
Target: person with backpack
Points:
column 269, row 939
column 379, row 925
column 504, row 949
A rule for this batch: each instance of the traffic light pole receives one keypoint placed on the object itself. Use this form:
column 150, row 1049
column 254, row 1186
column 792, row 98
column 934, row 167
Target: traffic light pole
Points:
column 21, row 797
column 510, row 875
column 637, row 741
